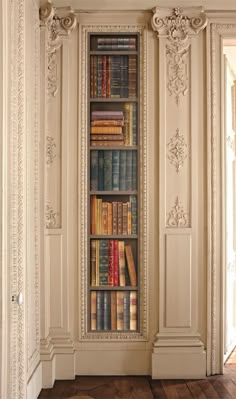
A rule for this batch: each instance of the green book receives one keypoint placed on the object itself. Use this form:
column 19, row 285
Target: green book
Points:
column 94, row 170
column 107, row 170
column 100, row 170
column 115, row 169
column 103, row 262
column 122, row 170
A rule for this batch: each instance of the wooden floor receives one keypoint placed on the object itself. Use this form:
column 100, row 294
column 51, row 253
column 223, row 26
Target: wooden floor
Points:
column 215, row 387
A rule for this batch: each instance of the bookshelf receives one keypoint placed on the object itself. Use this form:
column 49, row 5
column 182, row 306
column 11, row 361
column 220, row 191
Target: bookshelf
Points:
column 113, row 142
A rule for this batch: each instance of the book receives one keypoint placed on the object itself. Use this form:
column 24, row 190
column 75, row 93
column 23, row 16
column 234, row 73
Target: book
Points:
column 93, row 263
column 114, row 217
column 103, row 262
column 119, row 217
column 100, row 310
column 134, row 171
column 126, row 310
column 116, row 264
column 111, row 263
column 100, row 172
column 106, row 129
column 106, row 311
column 108, row 170
column 100, row 115
column 113, row 311
column 106, row 143
column 121, row 249
column 115, row 170
column 133, row 201
column 94, row 170
column 133, row 311
column 128, row 181
column 120, row 310
column 122, row 180
column 93, row 308
column 107, row 122
column 125, row 219
column 131, row 265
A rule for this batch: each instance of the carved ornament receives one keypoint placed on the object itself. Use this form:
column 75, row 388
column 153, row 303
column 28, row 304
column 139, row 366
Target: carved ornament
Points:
column 178, row 26
column 177, row 147
column 50, row 147
column 177, row 217
column 51, row 217
column 60, row 23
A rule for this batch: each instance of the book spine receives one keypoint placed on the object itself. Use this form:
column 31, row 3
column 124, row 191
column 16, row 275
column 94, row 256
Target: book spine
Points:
column 126, row 306
column 95, row 76
column 119, row 217
column 133, row 310
column 106, row 143
column 98, row 115
column 104, row 218
column 125, row 219
column 128, row 170
column 133, row 201
column 131, row 124
column 108, row 170
column 103, row 262
column 108, row 76
column 129, row 218
column 97, row 262
column 113, row 311
column 134, row 124
column 99, row 76
column 115, row 76
column 120, row 310
column 106, row 129
column 93, row 262
column 100, row 170
column 94, row 170
column 131, row 266
column 115, row 169
column 100, row 308
column 93, row 214
column 132, row 76
column 107, row 311
column 104, row 76
column 116, row 264
column 114, row 218
column 91, row 76
column 107, row 122
column 109, row 222
column 121, row 248
column 122, row 185
column 108, row 137
column 93, row 310
column 134, row 170
column 126, row 123
column 111, row 263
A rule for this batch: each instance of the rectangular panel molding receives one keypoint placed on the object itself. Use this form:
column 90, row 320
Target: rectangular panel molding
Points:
column 178, row 281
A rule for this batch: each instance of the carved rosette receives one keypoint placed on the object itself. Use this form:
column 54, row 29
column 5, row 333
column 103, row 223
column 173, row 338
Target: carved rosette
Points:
column 177, row 217
column 178, row 26
column 177, row 147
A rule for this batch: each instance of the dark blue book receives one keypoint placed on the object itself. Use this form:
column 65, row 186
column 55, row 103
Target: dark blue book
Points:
column 100, row 170
column 122, row 170
column 100, row 310
column 126, row 310
column 107, row 311
column 134, row 170
column 134, row 138
column 128, row 180
column 115, row 170
column 103, row 262
column 94, row 170
column 107, row 170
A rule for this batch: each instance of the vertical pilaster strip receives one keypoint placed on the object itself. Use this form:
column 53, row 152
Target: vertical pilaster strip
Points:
column 178, row 349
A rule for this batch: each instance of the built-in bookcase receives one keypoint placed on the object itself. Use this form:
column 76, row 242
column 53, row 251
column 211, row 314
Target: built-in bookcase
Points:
column 113, row 142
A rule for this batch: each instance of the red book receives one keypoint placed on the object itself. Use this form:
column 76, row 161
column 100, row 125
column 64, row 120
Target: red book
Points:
column 116, row 264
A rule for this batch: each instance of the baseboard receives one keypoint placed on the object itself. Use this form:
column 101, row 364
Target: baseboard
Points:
column 34, row 385
column 113, row 362
column 178, row 363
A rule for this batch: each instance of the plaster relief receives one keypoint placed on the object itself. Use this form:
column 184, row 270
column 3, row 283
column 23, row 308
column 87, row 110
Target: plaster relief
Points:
column 177, row 148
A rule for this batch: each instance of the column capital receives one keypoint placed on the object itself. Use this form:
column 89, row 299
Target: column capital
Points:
column 178, row 24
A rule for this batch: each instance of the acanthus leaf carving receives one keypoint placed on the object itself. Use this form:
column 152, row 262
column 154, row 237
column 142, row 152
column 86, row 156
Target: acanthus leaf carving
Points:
column 178, row 25
column 51, row 217
column 177, row 147
column 177, row 217
column 50, row 147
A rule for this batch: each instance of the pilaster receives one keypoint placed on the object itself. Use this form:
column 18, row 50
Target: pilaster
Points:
column 178, row 349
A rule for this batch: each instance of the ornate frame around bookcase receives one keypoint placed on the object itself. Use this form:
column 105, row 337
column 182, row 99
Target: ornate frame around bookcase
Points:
column 84, row 334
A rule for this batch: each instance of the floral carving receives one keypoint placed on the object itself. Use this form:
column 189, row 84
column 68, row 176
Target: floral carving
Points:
column 177, row 217
column 177, row 27
column 51, row 217
column 52, row 73
column 51, row 145
column 177, row 147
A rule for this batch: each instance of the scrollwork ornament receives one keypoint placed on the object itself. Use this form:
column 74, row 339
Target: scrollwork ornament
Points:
column 177, row 217
column 177, row 147
column 51, row 146
column 51, row 217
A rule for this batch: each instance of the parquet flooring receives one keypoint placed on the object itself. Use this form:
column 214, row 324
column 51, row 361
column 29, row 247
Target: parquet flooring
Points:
column 214, row 387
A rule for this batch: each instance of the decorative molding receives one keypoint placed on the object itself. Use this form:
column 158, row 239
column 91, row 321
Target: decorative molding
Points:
column 51, row 217
column 50, row 147
column 177, row 72
column 177, row 217
column 84, row 333
column 176, row 147
column 178, row 25
column 52, row 74
column 59, row 21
